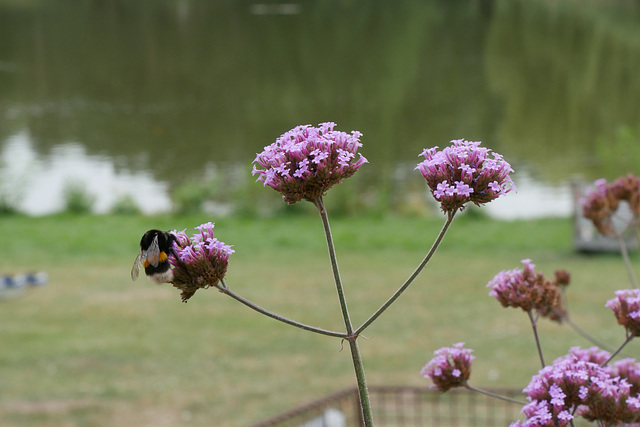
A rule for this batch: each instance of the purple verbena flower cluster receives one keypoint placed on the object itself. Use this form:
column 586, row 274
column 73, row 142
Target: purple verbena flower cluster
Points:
column 451, row 367
column 628, row 369
column 306, row 161
column 573, row 387
column 464, row 172
column 530, row 291
column 601, row 204
column 591, row 354
column 626, row 307
column 201, row 262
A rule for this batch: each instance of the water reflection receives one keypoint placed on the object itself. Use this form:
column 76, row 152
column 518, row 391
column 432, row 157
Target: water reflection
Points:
column 37, row 184
column 274, row 9
column 565, row 72
column 534, row 199
column 162, row 92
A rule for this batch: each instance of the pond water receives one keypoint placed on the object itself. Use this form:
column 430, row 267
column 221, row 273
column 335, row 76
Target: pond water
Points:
column 144, row 100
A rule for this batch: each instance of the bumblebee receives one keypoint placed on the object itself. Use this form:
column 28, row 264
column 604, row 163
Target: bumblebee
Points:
column 155, row 246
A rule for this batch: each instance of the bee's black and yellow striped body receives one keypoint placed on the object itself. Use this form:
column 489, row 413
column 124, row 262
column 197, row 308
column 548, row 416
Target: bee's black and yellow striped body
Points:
column 155, row 247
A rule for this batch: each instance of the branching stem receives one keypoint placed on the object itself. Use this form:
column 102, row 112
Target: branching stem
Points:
column 223, row 288
column 497, row 396
column 629, row 338
column 627, row 260
column 534, row 322
column 411, row 278
column 358, row 366
column 586, row 335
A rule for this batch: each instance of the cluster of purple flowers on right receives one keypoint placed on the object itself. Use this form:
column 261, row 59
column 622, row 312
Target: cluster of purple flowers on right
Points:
column 581, row 383
column 464, row 172
column 577, row 385
column 584, row 383
column 626, row 307
column 574, row 385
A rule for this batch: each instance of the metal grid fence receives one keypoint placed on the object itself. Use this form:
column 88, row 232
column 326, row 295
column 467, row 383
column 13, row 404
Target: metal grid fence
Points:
column 404, row 407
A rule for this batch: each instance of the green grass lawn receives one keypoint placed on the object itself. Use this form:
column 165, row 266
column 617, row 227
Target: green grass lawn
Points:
column 93, row 348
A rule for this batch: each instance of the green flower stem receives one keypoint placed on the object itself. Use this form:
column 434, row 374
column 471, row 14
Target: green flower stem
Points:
column 411, row 278
column 223, row 288
column 566, row 318
column 497, row 396
column 319, row 203
column 586, row 335
column 365, row 404
column 627, row 261
column 535, row 334
column 363, row 392
column 629, row 338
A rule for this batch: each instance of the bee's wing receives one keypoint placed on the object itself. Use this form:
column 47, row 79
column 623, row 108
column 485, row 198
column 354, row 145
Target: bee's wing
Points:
column 137, row 265
column 152, row 254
